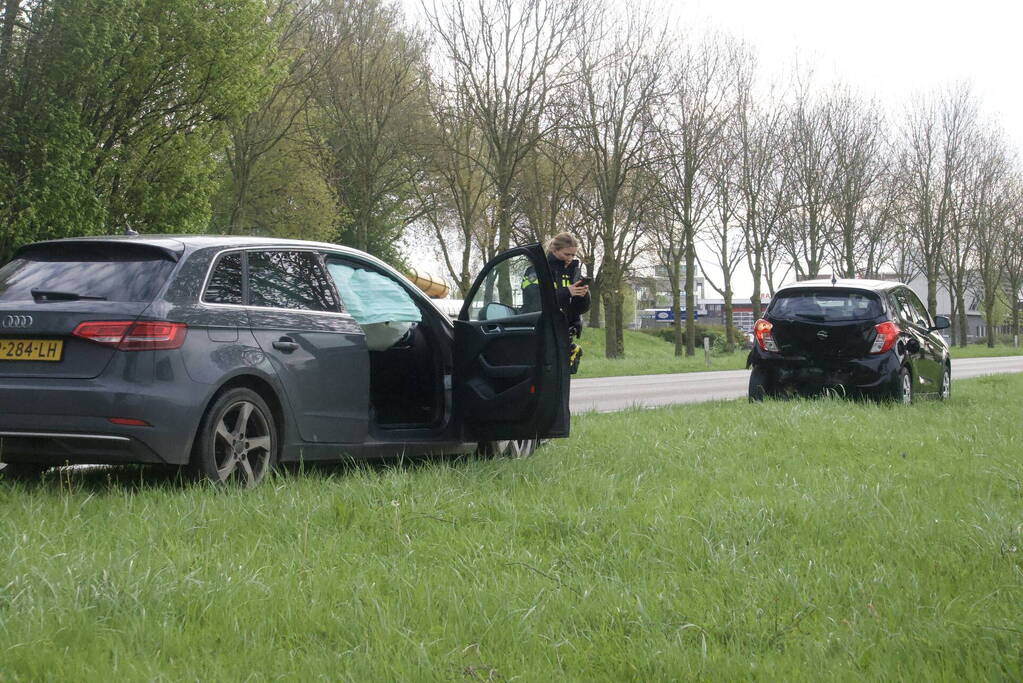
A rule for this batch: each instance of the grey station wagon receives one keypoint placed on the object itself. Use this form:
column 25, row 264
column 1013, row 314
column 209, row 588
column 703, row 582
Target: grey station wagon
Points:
column 230, row 354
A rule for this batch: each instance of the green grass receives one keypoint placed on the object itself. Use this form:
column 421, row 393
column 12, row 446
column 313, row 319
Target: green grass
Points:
column 723, row 541
column 982, row 351
column 646, row 354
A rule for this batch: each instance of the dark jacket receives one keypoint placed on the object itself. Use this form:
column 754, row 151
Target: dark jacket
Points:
column 563, row 275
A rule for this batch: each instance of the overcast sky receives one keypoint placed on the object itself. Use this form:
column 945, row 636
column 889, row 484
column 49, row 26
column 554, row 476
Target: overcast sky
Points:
column 887, row 48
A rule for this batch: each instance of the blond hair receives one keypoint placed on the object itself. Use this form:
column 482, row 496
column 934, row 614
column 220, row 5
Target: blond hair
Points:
column 562, row 240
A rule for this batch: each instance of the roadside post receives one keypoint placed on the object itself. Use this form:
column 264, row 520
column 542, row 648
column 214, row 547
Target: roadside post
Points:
column 706, row 350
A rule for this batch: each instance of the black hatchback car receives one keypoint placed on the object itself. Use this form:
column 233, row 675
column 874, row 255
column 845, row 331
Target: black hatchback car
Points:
column 849, row 337
column 231, row 354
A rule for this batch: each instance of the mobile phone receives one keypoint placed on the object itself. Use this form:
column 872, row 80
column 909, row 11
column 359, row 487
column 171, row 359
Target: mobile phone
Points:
column 583, row 281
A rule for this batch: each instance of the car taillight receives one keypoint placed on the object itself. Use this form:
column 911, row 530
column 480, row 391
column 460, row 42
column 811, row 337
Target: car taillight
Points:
column 887, row 333
column 762, row 332
column 127, row 335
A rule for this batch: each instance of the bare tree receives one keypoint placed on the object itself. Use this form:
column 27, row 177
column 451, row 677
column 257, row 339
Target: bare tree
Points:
column 1012, row 252
column 723, row 236
column 754, row 129
column 457, row 190
column 694, row 118
column 621, row 69
column 883, row 241
column 507, row 58
column 932, row 160
column 855, row 129
column 809, row 154
column 991, row 217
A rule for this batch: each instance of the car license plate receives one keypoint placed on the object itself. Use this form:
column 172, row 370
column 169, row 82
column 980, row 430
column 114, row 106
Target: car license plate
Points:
column 31, row 349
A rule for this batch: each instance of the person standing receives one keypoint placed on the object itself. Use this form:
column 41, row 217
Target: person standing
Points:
column 573, row 295
column 566, row 270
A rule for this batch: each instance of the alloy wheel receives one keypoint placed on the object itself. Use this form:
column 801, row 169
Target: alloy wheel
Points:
column 907, row 387
column 242, row 444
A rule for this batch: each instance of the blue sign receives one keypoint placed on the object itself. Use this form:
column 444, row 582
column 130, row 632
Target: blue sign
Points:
column 666, row 315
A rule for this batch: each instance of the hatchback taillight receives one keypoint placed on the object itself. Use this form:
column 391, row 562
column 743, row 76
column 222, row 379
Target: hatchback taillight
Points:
column 127, row 335
column 887, row 333
column 762, row 332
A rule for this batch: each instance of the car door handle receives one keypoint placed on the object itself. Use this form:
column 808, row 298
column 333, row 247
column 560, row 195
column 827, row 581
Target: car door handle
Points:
column 285, row 344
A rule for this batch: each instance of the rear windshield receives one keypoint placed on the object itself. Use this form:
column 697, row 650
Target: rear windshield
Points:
column 827, row 305
column 111, row 272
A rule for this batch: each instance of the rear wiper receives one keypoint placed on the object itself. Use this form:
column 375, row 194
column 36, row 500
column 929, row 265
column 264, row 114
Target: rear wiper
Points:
column 55, row 295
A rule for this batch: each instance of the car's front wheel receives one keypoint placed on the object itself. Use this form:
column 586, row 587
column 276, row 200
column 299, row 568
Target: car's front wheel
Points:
column 237, row 439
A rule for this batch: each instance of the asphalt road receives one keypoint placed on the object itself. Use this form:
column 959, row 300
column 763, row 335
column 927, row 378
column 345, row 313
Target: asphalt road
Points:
column 607, row 394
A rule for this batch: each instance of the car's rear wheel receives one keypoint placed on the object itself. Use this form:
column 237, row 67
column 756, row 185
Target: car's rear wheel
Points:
column 21, row 471
column 945, row 390
column 759, row 385
column 904, row 388
column 515, row 448
column 237, row 439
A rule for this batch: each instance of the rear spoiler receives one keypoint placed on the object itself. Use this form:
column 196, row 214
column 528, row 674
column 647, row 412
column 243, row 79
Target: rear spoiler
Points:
column 170, row 249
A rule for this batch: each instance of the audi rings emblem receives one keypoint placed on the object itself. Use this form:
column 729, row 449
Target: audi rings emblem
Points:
column 14, row 321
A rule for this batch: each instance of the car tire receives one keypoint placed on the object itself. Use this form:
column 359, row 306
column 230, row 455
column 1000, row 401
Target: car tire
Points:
column 945, row 388
column 237, row 440
column 21, row 471
column 902, row 392
column 515, row 448
column 759, row 385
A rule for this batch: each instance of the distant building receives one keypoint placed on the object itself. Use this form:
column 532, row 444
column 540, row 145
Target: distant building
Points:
column 653, row 298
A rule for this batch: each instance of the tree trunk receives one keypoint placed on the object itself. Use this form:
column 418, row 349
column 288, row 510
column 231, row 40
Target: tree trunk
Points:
column 676, row 314
column 690, row 294
column 612, row 316
column 989, row 316
column 932, row 288
column 964, row 324
column 729, row 322
column 596, row 287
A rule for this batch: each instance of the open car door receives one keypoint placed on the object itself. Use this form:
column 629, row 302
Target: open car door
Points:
column 510, row 364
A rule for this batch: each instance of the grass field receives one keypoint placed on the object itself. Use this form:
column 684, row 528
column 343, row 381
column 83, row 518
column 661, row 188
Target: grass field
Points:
column 646, row 354
column 723, row 541
column 982, row 351
column 649, row 355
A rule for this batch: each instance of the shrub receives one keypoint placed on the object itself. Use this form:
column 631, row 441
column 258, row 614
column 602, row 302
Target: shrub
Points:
column 715, row 332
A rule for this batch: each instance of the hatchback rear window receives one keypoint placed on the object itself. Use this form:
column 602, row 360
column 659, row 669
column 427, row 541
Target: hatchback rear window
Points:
column 110, row 272
column 826, row 305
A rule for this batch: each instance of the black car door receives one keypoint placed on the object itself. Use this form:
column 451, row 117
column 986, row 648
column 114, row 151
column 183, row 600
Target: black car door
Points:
column 932, row 349
column 510, row 365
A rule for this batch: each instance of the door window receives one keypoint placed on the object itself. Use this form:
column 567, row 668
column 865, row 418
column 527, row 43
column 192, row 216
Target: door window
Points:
column 379, row 303
column 511, row 288
column 289, row 279
column 225, row 285
column 904, row 304
column 920, row 314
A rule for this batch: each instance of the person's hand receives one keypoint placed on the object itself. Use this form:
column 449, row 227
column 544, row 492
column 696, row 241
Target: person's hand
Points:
column 578, row 290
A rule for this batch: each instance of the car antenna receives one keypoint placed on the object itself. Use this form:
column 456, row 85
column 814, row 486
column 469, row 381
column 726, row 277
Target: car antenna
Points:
column 128, row 231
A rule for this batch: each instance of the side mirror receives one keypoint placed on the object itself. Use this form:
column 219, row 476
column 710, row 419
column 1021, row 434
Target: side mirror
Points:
column 495, row 310
column 941, row 323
